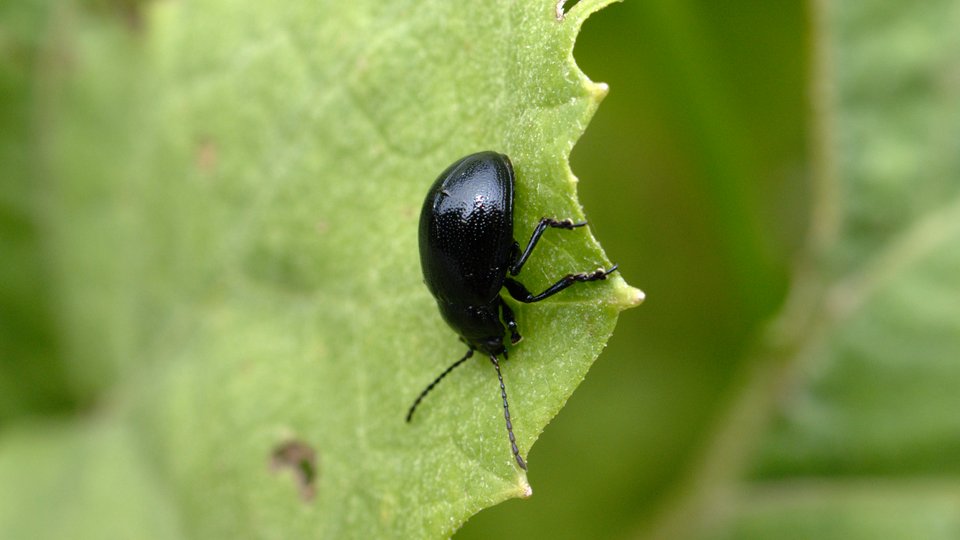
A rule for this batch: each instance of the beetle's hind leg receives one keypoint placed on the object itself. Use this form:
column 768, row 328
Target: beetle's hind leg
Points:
column 519, row 292
column 511, row 321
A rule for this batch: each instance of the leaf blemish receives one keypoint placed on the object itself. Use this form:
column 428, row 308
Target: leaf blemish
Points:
column 562, row 12
column 206, row 155
column 301, row 459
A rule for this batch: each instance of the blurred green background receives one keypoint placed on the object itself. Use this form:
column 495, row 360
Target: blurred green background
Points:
column 782, row 179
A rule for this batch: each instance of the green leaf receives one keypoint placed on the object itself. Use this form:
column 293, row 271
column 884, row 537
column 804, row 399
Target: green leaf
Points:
column 230, row 198
column 845, row 425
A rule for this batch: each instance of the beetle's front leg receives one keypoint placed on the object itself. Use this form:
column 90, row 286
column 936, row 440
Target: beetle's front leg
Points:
column 511, row 321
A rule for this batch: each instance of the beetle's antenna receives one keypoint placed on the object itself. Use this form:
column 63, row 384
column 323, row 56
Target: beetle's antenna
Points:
column 435, row 382
column 506, row 414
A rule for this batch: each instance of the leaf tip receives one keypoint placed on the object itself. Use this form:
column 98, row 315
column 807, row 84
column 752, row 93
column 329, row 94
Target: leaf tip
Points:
column 628, row 297
column 600, row 90
column 524, row 489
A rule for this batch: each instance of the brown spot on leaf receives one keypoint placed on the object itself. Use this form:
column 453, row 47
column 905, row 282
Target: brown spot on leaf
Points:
column 131, row 12
column 301, row 459
column 206, row 155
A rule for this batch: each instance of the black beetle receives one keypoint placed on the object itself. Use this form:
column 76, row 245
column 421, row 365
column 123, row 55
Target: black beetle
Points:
column 467, row 249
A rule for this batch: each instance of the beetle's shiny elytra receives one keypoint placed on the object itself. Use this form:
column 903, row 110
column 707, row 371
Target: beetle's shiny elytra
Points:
column 466, row 251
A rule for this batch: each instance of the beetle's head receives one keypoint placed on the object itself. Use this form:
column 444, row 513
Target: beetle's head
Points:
column 492, row 345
